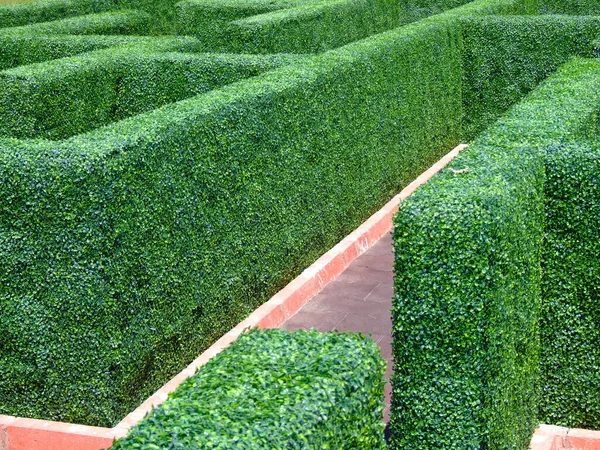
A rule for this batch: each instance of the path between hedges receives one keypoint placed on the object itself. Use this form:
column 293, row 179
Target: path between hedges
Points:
column 360, row 299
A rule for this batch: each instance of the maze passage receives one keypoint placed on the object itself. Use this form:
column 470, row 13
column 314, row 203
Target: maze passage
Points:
column 165, row 167
column 155, row 192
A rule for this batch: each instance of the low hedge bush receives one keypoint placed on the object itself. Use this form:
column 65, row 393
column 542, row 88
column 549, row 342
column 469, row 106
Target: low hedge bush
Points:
column 466, row 339
column 275, row 389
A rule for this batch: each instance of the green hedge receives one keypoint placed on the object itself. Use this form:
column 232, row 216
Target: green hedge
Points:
column 275, row 389
column 45, row 100
column 466, row 341
column 571, row 288
column 25, row 49
column 506, row 57
column 46, row 10
column 118, row 22
column 577, row 7
column 264, row 26
column 123, row 258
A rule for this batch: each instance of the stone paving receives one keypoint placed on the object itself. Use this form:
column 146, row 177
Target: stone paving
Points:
column 359, row 299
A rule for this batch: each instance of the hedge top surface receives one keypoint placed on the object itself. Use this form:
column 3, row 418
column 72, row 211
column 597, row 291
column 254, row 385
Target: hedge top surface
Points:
column 275, row 389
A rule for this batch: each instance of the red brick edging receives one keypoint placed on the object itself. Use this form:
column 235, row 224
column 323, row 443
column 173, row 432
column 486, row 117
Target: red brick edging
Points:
column 33, row 434
column 550, row 437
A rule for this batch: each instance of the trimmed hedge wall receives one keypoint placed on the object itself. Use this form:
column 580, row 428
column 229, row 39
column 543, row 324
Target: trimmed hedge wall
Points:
column 275, row 389
column 24, row 50
column 119, row 22
column 45, row 10
column 576, row 7
column 122, row 259
column 135, row 257
column 571, row 288
column 45, row 100
column 21, row 50
column 302, row 29
column 506, row 57
column 468, row 278
column 267, row 27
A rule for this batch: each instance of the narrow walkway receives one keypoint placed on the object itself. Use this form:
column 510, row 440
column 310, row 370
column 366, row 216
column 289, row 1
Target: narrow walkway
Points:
column 360, row 299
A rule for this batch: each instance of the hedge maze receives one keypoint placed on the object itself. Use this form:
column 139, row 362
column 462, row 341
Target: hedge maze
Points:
column 154, row 193
column 496, row 295
column 166, row 166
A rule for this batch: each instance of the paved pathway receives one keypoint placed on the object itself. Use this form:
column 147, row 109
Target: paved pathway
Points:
column 358, row 300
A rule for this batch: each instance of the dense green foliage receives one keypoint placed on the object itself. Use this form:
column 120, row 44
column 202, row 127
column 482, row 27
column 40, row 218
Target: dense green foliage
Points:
column 506, row 57
column 275, row 389
column 25, row 49
column 571, row 288
column 293, row 26
column 44, row 100
column 152, row 196
column 129, row 254
column 468, row 278
column 120, row 22
column 575, row 7
column 29, row 49
column 46, row 10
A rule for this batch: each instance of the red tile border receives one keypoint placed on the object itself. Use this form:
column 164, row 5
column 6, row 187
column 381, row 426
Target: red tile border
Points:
column 577, row 439
column 545, row 437
column 550, row 437
column 33, row 434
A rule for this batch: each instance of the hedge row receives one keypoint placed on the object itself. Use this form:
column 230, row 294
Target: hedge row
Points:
column 255, row 26
column 575, row 7
column 21, row 50
column 265, row 26
column 118, row 22
column 45, row 100
column 571, row 288
column 122, row 259
column 46, row 10
column 468, row 279
column 275, row 389
column 506, row 57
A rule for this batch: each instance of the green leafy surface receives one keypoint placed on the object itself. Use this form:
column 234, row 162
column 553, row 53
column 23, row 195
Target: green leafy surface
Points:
column 506, row 57
column 131, row 248
column 571, row 308
column 275, row 389
column 153, row 196
column 468, row 286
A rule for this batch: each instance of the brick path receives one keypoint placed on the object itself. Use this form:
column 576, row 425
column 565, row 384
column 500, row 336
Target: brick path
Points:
column 358, row 300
